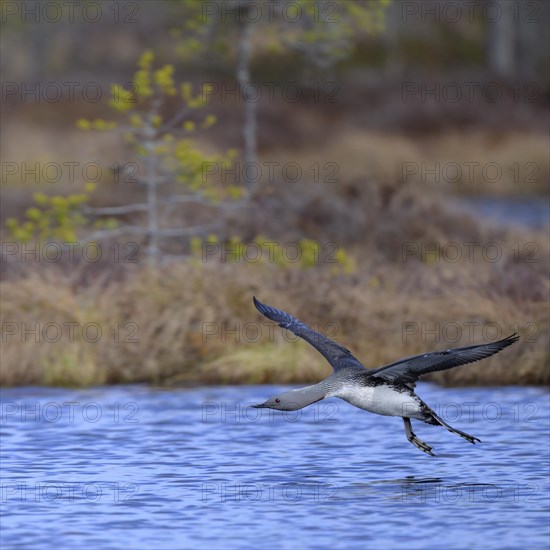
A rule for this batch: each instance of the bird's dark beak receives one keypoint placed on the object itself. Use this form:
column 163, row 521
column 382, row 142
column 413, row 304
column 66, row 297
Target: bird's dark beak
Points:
column 260, row 406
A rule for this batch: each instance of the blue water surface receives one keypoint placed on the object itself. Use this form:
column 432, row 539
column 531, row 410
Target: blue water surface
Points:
column 138, row 467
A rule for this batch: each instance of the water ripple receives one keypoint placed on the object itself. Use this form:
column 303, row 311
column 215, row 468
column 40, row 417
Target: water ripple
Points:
column 138, row 467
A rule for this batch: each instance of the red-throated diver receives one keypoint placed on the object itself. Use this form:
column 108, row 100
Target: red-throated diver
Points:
column 388, row 390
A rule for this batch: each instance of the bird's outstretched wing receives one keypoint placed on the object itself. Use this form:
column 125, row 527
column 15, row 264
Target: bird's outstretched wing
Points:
column 338, row 356
column 410, row 369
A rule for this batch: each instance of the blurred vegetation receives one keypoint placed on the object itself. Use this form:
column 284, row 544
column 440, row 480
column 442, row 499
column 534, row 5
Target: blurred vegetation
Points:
column 159, row 158
column 358, row 221
column 193, row 322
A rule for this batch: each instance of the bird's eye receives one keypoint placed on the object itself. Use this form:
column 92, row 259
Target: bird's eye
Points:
column 277, row 400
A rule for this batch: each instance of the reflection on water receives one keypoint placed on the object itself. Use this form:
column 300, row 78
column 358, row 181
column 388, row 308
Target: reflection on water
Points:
column 531, row 212
column 133, row 467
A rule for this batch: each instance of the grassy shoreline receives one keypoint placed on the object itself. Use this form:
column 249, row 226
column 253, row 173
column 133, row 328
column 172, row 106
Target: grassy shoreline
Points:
column 195, row 323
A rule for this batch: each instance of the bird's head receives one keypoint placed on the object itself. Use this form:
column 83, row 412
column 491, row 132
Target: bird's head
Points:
column 293, row 400
column 281, row 402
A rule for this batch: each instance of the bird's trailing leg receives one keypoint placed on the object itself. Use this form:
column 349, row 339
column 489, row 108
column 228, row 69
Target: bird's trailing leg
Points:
column 464, row 435
column 411, row 436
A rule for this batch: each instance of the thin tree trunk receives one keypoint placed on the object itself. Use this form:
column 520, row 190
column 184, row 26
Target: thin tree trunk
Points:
column 501, row 41
column 243, row 77
column 152, row 219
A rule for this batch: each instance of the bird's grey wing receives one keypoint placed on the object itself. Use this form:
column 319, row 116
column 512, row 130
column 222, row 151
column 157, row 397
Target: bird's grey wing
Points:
column 409, row 370
column 338, row 356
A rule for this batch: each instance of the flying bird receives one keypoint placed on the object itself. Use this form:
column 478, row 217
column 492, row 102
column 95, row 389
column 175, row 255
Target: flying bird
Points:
column 387, row 390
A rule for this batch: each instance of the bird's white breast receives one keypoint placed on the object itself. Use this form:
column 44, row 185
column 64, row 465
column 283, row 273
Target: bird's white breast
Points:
column 380, row 400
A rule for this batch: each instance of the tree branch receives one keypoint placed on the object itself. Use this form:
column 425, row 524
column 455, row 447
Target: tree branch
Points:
column 115, row 210
column 193, row 230
column 106, row 233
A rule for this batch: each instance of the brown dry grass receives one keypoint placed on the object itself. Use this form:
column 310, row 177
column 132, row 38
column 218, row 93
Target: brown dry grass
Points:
column 370, row 212
column 367, row 309
column 476, row 162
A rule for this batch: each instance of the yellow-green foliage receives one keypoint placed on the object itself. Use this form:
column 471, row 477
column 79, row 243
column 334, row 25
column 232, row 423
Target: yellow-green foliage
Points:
column 150, row 83
column 304, row 254
column 56, row 217
column 330, row 23
column 96, row 124
column 140, row 106
column 53, row 217
column 329, row 27
column 62, row 217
